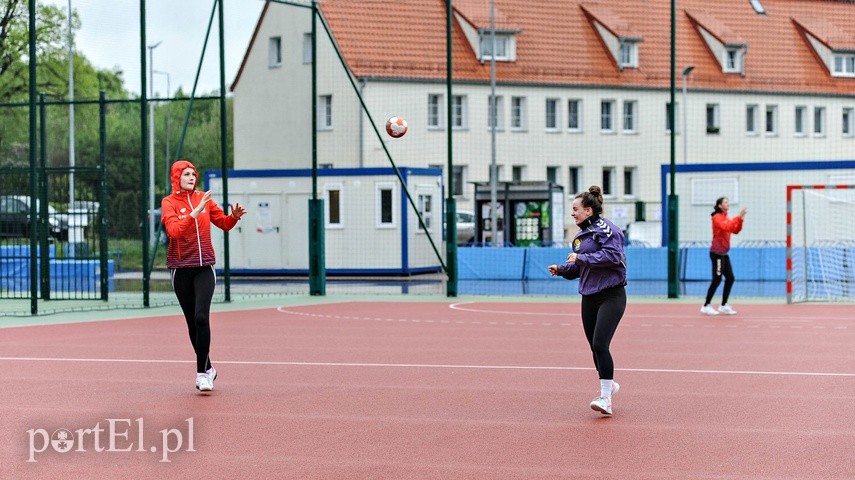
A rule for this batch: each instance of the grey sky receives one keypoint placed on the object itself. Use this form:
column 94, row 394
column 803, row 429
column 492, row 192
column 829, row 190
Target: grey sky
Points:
column 109, row 38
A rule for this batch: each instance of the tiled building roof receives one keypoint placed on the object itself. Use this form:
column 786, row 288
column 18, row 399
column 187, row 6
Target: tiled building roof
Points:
column 558, row 44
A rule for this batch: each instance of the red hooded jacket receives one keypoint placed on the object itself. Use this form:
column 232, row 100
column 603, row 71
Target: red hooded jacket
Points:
column 722, row 228
column 190, row 238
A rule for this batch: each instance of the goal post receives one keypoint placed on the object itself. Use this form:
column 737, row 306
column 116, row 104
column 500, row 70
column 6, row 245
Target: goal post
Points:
column 820, row 243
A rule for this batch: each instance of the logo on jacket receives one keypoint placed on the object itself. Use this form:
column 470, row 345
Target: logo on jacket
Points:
column 605, row 227
column 576, row 244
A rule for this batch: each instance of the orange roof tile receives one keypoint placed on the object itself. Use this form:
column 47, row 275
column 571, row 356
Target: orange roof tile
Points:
column 556, row 44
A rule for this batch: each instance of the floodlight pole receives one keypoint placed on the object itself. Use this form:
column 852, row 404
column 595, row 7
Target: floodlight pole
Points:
column 151, row 141
column 673, row 242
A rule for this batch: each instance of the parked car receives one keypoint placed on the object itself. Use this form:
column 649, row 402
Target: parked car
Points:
column 15, row 218
column 465, row 227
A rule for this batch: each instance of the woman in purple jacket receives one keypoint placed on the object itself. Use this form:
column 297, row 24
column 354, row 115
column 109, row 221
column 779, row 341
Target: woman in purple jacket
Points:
column 598, row 261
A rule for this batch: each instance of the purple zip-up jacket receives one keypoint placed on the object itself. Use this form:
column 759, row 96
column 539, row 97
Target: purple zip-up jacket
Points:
column 600, row 259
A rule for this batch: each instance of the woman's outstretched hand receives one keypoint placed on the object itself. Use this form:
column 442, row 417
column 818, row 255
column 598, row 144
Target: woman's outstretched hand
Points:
column 237, row 211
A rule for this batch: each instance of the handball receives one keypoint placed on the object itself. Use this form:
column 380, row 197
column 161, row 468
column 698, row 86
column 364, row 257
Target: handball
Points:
column 396, row 127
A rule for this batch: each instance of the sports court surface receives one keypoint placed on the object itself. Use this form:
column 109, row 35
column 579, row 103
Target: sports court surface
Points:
column 431, row 388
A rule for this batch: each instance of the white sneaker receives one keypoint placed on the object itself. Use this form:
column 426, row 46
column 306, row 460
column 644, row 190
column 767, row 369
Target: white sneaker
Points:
column 708, row 310
column 727, row 310
column 204, row 383
column 602, row 405
column 212, row 374
column 615, row 387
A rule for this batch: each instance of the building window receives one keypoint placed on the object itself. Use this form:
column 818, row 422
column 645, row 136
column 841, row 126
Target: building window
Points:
column 800, row 120
column 457, row 174
column 629, row 181
column 819, row 121
column 552, row 175
column 844, row 65
column 274, row 53
column 629, row 115
column 847, row 122
column 518, row 114
column 771, row 120
column 307, row 48
column 325, row 112
column 551, row 114
column 733, row 60
column 574, row 115
column 608, row 181
column 385, row 205
column 434, row 111
column 751, row 119
column 496, row 117
column 333, row 204
column 425, row 203
column 573, row 180
column 712, row 119
column 606, row 113
column 628, row 54
column 458, row 112
column 503, row 46
column 517, row 173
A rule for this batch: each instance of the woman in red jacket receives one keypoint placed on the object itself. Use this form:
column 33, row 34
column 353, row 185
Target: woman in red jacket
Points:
column 722, row 228
column 187, row 215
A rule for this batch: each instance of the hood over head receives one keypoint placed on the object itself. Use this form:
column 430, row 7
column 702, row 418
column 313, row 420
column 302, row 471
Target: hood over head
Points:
column 175, row 174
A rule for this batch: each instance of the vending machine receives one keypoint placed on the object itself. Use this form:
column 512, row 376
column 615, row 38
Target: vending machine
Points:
column 529, row 213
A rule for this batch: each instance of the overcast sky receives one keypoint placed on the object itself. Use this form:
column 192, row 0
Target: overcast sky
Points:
column 109, row 38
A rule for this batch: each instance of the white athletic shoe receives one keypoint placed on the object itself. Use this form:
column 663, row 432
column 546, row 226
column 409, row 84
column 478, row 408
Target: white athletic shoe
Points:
column 602, row 405
column 204, row 383
column 615, row 387
column 708, row 310
column 726, row 309
column 212, row 374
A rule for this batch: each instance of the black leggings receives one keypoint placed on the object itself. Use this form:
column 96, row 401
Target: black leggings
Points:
column 601, row 313
column 720, row 268
column 194, row 287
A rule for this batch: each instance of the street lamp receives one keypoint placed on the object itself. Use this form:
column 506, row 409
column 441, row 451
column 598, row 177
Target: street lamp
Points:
column 70, row 111
column 168, row 158
column 151, row 141
column 686, row 72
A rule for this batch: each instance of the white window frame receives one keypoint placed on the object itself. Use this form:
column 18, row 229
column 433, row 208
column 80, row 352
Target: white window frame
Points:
column 844, row 64
column 424, row 195
column 713, row 118
column 459, row 114
column 325, row 113
column 848, row 118
column 800, row 121
column 556, row 115
column 459, row 174
column 517, row 173
column 499, row 116
column 274, row 52
column 339, row 187
column 770, row 119
column 628, row 53
column 607, row 119
column 608, row 186
column 307, row 48
column 574, row 179
column 751, row 120
column 555, row 173
column 378, row 205
column 436, row 118
column 819, row 127
column 734, row 59
column 504, row 46
column 519, row 114
column 574, row 116
column 630, row 182
column 630, row 116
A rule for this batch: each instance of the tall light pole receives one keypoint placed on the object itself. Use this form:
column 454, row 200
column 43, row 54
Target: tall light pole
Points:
column 151, row 141
column 70, row 111
column 686, row 72
column 167, row 158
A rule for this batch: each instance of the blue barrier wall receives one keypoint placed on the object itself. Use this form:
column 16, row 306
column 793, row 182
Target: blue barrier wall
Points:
column 72, row 275
column 643, row 264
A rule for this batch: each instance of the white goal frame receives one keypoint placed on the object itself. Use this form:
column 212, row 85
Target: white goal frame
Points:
column 799, row 277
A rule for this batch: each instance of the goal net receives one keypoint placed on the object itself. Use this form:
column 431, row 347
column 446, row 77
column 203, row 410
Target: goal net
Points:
column 820, row 243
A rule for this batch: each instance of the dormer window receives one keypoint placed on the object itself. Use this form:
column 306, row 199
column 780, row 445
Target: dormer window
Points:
column 505, row 48
column 628, row 53
column 733, row 59
column 844, row 65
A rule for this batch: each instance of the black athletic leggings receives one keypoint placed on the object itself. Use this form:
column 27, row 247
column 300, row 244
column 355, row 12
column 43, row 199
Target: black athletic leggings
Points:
column 194, row 287
column 601, row 313
column 720, row 268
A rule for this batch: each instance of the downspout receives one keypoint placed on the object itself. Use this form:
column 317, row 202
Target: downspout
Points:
column 362, row 83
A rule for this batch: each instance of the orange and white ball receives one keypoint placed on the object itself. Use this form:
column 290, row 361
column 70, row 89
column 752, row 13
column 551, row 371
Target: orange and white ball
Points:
column 396, row 127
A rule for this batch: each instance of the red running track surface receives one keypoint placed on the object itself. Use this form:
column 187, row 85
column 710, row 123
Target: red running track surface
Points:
column 436, row 390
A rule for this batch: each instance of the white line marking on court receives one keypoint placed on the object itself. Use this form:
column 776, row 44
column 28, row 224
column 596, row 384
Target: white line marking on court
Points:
column 429, row 366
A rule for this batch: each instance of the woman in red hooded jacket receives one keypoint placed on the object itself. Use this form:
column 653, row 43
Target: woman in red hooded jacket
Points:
column 187, row 215
column 722, row 228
